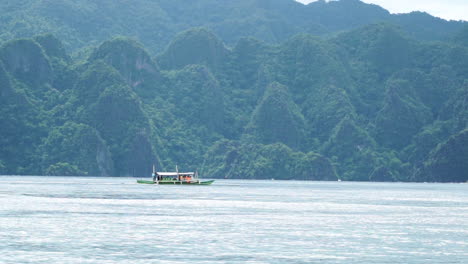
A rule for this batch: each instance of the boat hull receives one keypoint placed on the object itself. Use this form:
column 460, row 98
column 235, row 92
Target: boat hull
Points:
column 176, row 182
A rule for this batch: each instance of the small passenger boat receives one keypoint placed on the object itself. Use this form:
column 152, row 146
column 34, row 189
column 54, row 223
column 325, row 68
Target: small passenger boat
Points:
column 175, row 178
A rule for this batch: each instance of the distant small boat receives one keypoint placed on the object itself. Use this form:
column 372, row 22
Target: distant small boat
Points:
column 190, row 178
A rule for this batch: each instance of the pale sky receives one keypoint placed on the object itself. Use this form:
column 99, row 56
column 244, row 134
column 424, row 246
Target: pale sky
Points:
column 446, row 9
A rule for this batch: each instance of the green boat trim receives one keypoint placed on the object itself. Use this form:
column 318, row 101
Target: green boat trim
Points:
column 174, row 178
column 176, row 182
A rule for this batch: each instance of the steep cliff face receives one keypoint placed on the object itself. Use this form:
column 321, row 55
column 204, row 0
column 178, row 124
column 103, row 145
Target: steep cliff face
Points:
column 247, row 70
column 95, row 77
column 26, row 61
column 115, row 111
column 199, row 98
column 76, row 148
column 427, row 140
column 120, row 120
column 277, row 119
column 318, row 83
column 389, row 51
column 354, row 148
column 448, row 162
column 323, row 111
column 52, row 46
column 401, row 117
column 371, row 55
column 383, row 47
column 194, row 46
column 20, row 127
column 456, row 108
column 349, row 137
column 315, row 66
column 130, row 59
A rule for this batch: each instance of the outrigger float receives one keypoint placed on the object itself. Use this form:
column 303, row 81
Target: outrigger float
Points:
column 176, row 177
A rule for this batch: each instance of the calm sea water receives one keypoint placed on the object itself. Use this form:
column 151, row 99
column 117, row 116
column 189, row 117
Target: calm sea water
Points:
column 115, row 220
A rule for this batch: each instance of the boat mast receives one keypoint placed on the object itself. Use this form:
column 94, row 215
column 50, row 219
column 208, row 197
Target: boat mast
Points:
column 153, row 175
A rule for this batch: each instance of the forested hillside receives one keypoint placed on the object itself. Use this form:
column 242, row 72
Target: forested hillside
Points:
column 87, row 23
column 283, row 91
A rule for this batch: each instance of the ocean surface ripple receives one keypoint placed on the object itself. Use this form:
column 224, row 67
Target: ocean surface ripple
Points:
column 115, row 220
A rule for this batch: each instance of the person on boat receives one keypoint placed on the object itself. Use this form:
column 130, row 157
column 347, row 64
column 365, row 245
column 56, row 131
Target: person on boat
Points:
column 154, row 176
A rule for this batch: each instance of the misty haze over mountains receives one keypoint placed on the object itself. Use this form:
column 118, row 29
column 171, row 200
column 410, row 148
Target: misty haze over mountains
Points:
column 155, row 23
column 445, row 9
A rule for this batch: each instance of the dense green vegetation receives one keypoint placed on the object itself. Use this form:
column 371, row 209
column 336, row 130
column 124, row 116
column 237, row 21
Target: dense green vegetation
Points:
column 377, row 101
column 87, row 23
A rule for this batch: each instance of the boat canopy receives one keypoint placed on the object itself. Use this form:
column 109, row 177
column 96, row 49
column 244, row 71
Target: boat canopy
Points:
column 175, row 173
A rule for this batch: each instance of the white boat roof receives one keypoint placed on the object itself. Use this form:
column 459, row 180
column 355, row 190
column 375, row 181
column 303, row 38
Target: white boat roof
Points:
column 175, row 173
